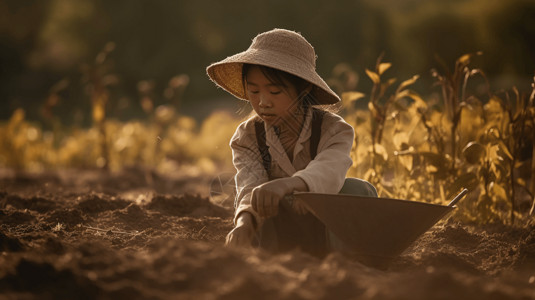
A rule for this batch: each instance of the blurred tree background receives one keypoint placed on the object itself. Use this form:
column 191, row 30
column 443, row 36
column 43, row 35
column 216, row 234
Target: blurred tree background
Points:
column 49, row 45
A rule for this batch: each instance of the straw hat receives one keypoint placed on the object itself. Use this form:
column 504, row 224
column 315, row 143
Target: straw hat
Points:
column 280, row 49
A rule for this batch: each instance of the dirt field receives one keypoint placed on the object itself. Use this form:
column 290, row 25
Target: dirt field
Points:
column 88, row 235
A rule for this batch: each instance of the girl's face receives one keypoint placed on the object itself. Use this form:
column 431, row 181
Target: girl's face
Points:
column 272, row 102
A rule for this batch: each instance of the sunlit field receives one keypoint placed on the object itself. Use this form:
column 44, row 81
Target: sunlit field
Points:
column 141, row 208
column 116, row 175
column 112, row 209
column 408, row 146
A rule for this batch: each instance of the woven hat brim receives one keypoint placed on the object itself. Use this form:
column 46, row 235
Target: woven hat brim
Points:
column 228, row 73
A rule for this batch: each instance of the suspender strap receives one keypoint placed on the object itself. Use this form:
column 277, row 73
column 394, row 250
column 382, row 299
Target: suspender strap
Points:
column 261, row 141
column 317, row 119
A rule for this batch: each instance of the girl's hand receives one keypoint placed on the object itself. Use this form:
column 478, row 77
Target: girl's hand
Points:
column 242, row 235
column 266, row 197
column 299, row 207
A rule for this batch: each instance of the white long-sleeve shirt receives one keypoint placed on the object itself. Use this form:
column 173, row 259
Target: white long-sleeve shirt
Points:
column 325, row 174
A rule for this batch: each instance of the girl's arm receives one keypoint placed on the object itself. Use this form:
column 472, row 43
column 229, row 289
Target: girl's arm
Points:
column 327, row 172
column 250, row 171
column 250, row 174
column 256, row 197
column 266, row 197
column 243, row 233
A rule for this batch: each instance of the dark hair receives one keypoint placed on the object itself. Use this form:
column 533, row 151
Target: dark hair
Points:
column 279, row 77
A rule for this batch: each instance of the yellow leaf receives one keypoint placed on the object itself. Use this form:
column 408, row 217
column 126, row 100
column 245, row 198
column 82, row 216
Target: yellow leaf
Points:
column 505, row 150
column 465, row 59
column 431, row 169
column 98, row 112
column 17, row 117
column 373, row 109
column 383, row 67
column 493, row 132
column 521, row 182
column 494, row 111
column 402, row 94
column 494, row 170
column 520, row 164
column 498, row 191
column 389, row 82
column 400, row 138
column 408, row 82
column 369, row 174
column 373, row 76
column 492, row 152
column 418, row 101
column 379, row 150
column 349, row 97
column 406, row 161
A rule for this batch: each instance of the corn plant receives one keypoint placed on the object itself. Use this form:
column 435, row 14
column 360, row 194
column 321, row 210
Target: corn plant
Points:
column 520, row 113
column 384, row 107
column 474, row 143
column 161, row 116
column 98, row 79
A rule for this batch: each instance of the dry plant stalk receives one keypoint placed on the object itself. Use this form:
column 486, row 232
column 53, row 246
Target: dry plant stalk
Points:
column 482, row 156
column 98, row 80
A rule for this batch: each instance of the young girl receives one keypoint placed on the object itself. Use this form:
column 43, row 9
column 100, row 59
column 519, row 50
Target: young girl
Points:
column 289, row 146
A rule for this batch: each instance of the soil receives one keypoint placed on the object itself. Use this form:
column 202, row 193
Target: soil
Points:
column 138, row 235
